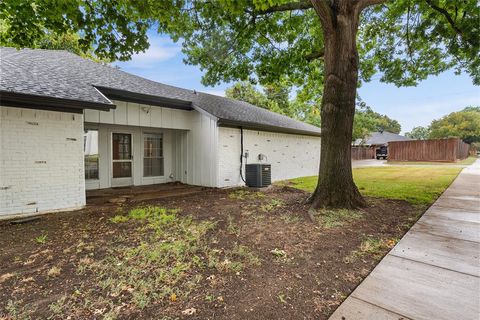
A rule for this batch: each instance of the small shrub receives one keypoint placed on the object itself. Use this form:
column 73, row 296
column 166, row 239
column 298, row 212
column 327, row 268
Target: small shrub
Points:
column 41, row 239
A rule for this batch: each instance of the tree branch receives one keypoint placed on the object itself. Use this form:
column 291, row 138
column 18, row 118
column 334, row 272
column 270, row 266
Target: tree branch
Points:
column 409, row 48
column 446, row 15
column 291, row 6
column 315, row 55
column 324, row 12
column 362, row 4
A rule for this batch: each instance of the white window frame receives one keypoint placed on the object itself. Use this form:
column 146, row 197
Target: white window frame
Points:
column 132, row 150
column 98, row 153
column 162, row 137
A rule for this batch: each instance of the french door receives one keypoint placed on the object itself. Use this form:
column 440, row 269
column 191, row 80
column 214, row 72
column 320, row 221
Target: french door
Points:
column 122, row 159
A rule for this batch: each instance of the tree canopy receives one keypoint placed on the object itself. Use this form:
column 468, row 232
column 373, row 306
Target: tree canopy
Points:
column 366, row 121
column 261, row 40
column 276, row 98
column 51, row 40
column 108, row 30
column 463, row 124
column 418, row 133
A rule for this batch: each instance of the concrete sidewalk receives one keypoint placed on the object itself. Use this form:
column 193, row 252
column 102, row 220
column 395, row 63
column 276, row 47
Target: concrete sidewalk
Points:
column 434, row 271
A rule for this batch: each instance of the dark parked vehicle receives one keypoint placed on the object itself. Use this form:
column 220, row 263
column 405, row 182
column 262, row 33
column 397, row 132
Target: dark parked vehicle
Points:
column 382, row 153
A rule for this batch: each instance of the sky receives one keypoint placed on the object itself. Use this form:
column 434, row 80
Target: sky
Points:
column 411, row 106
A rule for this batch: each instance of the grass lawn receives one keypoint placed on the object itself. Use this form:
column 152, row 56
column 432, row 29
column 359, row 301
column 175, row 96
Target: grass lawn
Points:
column 417, row 185
column 464, row 162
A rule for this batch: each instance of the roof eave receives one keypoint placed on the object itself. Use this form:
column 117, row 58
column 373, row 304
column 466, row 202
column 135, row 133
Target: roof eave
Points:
column 32, row 101
column 129, row 96
column 263, row 127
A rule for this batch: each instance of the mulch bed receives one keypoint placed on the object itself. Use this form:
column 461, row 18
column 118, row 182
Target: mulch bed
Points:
column 309, row 282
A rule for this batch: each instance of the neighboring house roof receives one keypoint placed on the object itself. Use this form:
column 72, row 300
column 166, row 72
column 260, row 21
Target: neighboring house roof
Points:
column 380, row 138
column 59, row 78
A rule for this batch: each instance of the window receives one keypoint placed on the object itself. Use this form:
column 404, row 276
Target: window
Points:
column 152, row 155
column 90, row 151
column 122, row 146
column 122, row 155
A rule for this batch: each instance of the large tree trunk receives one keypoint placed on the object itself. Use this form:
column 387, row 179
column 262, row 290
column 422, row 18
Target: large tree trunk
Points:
column 335, row 182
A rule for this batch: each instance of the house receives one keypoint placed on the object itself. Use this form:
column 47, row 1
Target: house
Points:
column 366, row 148
column 68, row 124
column 380, row 138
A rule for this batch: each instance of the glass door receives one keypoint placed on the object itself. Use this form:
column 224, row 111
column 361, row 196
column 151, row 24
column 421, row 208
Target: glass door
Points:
column 122, row 159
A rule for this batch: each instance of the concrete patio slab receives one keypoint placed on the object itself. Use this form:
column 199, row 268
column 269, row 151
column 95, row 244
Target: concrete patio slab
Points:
column 434, row 271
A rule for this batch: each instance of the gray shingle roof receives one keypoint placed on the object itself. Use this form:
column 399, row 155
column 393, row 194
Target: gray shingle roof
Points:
column 63, row 75
column 234, row 111
column 380, row 138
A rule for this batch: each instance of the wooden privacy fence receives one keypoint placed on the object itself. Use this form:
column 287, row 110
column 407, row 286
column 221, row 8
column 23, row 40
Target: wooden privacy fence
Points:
column 451, row 149
column 360, row 153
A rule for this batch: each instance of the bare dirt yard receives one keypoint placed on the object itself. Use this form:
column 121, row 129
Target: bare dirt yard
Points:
column 213, row 254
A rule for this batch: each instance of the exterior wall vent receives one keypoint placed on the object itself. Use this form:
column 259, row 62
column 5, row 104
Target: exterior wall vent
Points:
column 258, row 175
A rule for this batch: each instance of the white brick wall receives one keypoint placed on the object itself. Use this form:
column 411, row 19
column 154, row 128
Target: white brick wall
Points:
column 41, row 161
column 290, row 155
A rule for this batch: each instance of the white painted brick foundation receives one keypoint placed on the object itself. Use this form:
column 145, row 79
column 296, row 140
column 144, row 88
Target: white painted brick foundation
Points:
column 290, row 155
column 41, row 161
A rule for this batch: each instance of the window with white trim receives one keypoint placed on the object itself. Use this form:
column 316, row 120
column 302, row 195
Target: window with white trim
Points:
column 90, row 151
column 152, row 155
